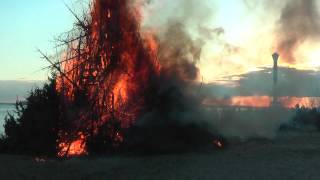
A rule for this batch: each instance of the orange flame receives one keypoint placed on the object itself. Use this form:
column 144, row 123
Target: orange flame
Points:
column 251, row 101
column 264, row 101
column 75, row 148
column 111, row 66
column 218, row 143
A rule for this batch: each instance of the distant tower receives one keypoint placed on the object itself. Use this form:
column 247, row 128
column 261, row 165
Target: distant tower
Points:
column 275, row 57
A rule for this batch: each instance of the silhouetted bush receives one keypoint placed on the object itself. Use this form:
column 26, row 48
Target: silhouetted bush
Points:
column 107, row 140
column 307, row 116
column 304, row 119
column 33, row 128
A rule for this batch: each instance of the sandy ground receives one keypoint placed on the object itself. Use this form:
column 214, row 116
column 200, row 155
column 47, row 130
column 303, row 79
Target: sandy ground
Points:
column 289, row 156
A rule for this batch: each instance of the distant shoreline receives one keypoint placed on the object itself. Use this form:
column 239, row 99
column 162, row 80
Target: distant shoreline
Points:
column 7, row 103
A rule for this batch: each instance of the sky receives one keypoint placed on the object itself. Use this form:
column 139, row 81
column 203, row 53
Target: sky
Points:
column 248, row 28
column 25, row 27
column 245, row 45
column 31, row 25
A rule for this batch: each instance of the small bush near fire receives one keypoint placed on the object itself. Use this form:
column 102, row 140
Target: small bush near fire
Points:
column 305, row 118
column 33, row 128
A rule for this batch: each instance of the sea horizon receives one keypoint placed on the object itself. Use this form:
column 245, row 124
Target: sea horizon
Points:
column 9, row 103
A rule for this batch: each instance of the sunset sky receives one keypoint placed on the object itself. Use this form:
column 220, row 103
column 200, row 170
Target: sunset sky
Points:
column 248, row 26
column 26, row 26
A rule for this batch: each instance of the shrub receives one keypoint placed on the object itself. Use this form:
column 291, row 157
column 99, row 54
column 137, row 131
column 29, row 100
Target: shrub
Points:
column 33, row 128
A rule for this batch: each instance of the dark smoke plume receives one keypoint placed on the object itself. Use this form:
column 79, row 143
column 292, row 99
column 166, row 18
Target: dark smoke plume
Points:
column 299, row 22
column 177, row 104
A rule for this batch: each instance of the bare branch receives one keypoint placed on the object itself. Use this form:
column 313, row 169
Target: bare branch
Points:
column 44, row 56
column 81, row 23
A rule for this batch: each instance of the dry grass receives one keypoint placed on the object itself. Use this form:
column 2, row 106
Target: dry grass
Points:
column 290, row 156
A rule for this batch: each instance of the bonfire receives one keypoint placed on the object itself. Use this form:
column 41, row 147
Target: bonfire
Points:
column 111, row 74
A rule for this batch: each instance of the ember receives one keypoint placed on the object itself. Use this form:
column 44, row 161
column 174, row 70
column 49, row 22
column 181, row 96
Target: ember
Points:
column 218, row 143
column 74, row 148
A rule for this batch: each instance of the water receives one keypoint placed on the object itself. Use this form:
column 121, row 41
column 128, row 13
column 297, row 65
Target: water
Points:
column 4, row 109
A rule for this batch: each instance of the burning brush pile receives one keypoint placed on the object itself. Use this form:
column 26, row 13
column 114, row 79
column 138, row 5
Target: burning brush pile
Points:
column 119, row 88
column 124, row 89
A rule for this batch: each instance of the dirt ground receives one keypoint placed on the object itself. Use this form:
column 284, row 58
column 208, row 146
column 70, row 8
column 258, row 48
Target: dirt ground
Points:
column 289, row 156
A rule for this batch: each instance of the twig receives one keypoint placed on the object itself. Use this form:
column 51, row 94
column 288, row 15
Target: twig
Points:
column 56, row 67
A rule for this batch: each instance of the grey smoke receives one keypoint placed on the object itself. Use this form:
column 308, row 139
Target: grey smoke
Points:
column 179, row 28
column 245, row 124
column 299, row 21
column 182, row 31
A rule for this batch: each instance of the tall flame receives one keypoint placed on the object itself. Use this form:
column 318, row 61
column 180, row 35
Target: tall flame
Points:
column 106, row 69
